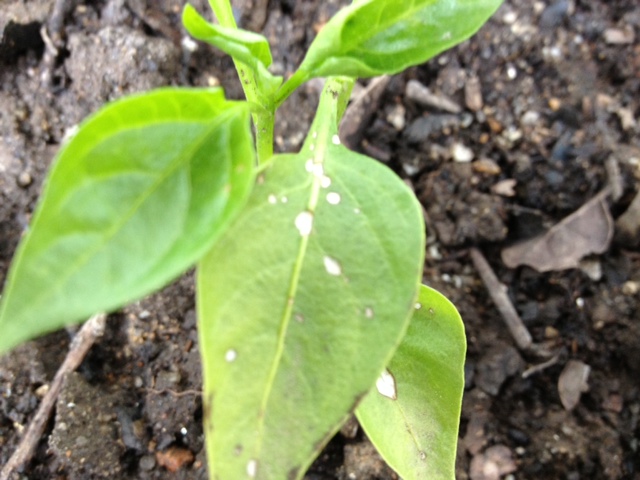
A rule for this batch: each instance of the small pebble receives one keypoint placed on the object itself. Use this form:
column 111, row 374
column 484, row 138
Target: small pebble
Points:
column 147, row 462
column 461, row 153
column 396, row 117
column 24, row 179
column 486, row 166
column 630, row 288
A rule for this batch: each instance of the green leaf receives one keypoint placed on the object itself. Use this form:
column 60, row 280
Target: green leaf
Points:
column 133, row 200
column 302, row 302
column 374, row 37
column 417, row 433
column 244, row 46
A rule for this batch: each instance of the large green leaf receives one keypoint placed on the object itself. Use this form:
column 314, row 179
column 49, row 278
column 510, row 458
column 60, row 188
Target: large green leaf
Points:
column 417, row 431
column 134, row 199
column 387, row 36
column 302, row 302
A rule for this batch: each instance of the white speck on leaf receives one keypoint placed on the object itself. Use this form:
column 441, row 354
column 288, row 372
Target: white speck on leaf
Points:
column 335, row 139
column 431, row 311
column 418, row 306
column 386, row 385
column 252, row 468
column 314, row 134
column 304, row 223
column 356, row 211
column 333, row 198
column 316, row 168
column 368, row 312
column 332, row 266
column 325, row 182
column 272, row 199
column 312, row 147
column 284, row 199
column 231, row 355
column 299, row 317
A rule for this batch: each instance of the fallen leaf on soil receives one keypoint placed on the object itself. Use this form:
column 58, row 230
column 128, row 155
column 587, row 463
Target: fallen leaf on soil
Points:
column 174, row 458
column 587, row 230
column 573, row 383
column 492, row 464
column 628, row 224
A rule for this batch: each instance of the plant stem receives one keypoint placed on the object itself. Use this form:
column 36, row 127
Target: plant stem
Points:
column 224, row 12
column 297, row 79
column 264, row 123
column 264, row 119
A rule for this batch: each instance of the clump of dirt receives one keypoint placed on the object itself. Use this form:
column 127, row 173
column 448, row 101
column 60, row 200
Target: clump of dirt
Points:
column 501, row 138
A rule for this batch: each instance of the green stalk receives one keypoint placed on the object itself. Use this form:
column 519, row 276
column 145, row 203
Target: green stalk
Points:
column 264, row 118
column 224, row 13
column 297, row 79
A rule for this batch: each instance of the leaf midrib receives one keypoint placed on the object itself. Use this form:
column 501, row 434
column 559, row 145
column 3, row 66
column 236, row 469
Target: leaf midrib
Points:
column 322, row 140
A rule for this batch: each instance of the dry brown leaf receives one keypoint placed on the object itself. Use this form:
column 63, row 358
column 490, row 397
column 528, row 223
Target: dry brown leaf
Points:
column 573, row 383
column 587, row 230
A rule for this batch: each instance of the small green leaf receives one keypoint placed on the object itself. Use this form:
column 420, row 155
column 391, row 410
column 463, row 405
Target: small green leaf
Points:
column 302, row 302
column 374, row 37
column 243, row 45
column 417, row 433
column 250, row 48
column 133, row 200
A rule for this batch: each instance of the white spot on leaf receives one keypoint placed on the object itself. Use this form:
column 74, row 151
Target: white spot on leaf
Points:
column 231, row 355
column 304, row 223
column 335, row 140
column 386, row 385
column 325, row 182
column 272, row 199
column 299, row 318
column 356, row 211
column 315, row 168
column 333, row 198
column 284, row 199
column 332, row 266
column 368, row 312
column 418, row 306
column 252, row 468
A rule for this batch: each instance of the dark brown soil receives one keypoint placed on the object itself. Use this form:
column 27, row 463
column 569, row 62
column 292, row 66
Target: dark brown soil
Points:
column 544, row 101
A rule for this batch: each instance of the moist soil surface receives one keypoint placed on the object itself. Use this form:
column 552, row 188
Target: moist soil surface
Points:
column 502, row 138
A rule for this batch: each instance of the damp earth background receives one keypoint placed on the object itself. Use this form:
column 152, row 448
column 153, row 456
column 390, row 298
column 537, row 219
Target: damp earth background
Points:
column 520, row 127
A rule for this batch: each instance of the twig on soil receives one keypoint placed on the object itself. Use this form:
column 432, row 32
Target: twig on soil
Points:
column 52, row 36
column 80, row 345
column 498, row 293
column 184, row 393
column 541, row 366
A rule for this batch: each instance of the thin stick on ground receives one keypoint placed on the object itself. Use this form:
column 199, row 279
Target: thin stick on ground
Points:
column 498, row 293
column 52, row 36
column 80, row 345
